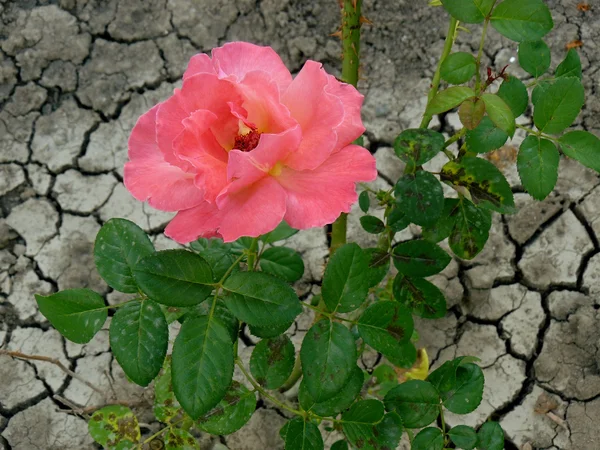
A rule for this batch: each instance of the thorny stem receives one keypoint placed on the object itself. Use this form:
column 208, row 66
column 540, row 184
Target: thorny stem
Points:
column 435, row 83
column 351, row 22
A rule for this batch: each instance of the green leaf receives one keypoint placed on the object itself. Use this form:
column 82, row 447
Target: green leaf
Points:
column 443, row 227
column 328, row 358
column 77, row 314
column 514, row 93
column 339, row 402
column 416, row 401
column 372, row 224
column 397, row 220
column 384, row 326
column 486, row 137
column 281, row 232
column 522, row 20
column 270, row 332
column 559, row 105
column 459, row 67
column 113, row 426
column 420, row 197
column 537, row 163
column 217, row 254
column 499, row 112
column 346, row 279
column 221, row 312
column 359, row 422
column 422, row 297
column 490, row 437
column 471, row 229
column 419, row 258
column 232, row 412
column 386, row 377
column 119, row 245
column 364, row 202
column 467, row 393
column 469, row 11
column 174, row 277
column 379, row 265
column 202, row 364
column 449, row 99
column 272, row 361
column 166, row 406
column 139, row 336
column 539, row 89
column 534, row 57
column 471, row 112
column 178, row 439
column 283, row 262
column 340, row 445
column 301, row 435
column 582, row 146
column 419, row 145
column 241, row 245
column 463, row 437
column 260, row 299
column 428, row 439
column 570, row 66
column 486, row 184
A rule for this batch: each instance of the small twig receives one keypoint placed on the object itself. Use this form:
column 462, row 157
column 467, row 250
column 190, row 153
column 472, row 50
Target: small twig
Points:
column 54, row 361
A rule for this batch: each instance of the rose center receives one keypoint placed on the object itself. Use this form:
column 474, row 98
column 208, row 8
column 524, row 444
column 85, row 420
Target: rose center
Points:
column 248, row 141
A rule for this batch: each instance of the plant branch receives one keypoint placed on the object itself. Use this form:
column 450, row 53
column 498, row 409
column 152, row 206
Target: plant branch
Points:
column 479, row 55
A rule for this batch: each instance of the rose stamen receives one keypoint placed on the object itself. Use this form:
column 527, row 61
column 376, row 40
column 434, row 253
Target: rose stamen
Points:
column 248, row 141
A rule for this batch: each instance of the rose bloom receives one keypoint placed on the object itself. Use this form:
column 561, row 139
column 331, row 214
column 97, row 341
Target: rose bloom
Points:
column 242, row 146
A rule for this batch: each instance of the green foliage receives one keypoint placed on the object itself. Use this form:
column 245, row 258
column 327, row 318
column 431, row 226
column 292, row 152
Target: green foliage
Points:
column 166, row 406
column 458, row 68
column 559, row 105
column 449, row 99
column 419, row 258
column 417, row 146
column 423, row 298
column 522, row 20
column 139, row 336
column 364, row 202
column 570, row 66
column 460, row 385
column 379, row 265
column 115, row 427
column 499, row 112
column 372, row 224
column 178, row 439
column 337, row 403
column 463, row 437
column 420, row 197
column 366, row 426
column 346, row 279
column 218, row 255
column 537, row 163
column 283, row 262
column 280, row 233
column 232, row 412
column 582, row 146
column 78, row 314
column 490, row 437
column 272, row 361
column 534, row 57
column 469, row 11
column 416, row 402
column 119, row 245
column 428, row 439
column 471, row 229
column 514, row 93
column 471, row 112
column 298, row 434
column 485, row 137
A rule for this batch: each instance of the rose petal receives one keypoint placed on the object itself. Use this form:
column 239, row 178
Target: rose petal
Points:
column 200, row 63
column 191, row 224
column 352, row 126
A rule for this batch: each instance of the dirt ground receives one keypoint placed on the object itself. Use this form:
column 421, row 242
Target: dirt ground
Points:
column 76, row 74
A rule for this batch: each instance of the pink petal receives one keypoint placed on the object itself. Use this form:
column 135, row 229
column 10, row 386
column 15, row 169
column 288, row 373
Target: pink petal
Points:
column 191, row 224
column 317, row 197
column 351, row 126
column 239, row 58
column 200, row 63
column 169, row 123
column 318, row 113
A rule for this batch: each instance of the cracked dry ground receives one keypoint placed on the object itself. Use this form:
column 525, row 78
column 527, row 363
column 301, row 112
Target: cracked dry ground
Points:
column 76, row 74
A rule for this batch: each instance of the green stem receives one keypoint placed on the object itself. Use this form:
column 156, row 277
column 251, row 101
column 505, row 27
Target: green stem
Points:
column 252, row 255
column 443, row 424
column 480, row 54
column 294, row 376
column 435, row 83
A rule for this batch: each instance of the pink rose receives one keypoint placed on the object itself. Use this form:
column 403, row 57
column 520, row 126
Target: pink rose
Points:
column 242, row 146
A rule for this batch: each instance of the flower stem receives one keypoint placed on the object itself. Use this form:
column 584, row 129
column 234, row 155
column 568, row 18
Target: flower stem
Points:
column 435, row 83
column 252, row 252
column 479, row 55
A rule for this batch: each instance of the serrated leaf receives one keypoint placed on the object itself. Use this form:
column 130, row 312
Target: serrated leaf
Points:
column 328, row 356
column 444, row 225
column 416, row 402
column 119, row 245
column 522, row 20
column 346, row 281
column 113, row 426
column 570, row 66
column 202, row 364
column 174, row 277
column 218, row 256
column 283, row 262
column 471, row 112
column 339, row 402
column 301, row 435
column 486, row 184
column 272, row 361
column 372, row 224
column 582, row 146
column 429, row 438
column 232, row 412
column 166, row 406
column 537, row 164
column 559, row 105
column 468, row 11
column 463, row 437
column 385, row 326
column 449, row 99
column 514, row 93
column 467, row 393
column 269, row 332
column 77, row 314
column 420, row 296
column 490, row 437
column 360, row 420
column 280, row 233
column 260, row 299
column 397, row 220
column 539, row 89
column 419, row 258
column 178, row 439
column 139, row 336
column 379, row 265
column 459, row 67
column 499, row 112
column 420, row 197
column 419, row 145
column 486, row 137
column 221, row 312
column 471, row 229
column 364, row 202
column 534, row 57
